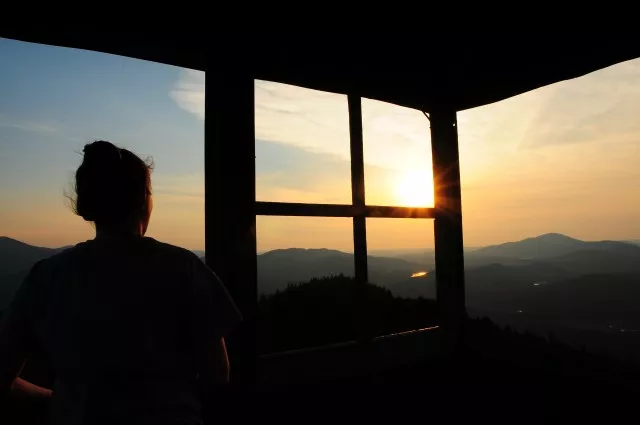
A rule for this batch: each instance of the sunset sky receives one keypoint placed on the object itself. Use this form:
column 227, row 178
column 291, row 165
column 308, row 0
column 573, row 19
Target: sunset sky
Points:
column 563, row 158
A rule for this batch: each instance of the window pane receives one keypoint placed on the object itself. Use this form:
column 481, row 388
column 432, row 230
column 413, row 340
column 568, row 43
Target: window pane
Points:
column 397, row 155
column 554, row 172
column 400, row 250
column 401, row 271
column 302, row 145
column 305, row 282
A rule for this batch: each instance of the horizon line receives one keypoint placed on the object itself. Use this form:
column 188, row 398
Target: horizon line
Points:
column 260, row 252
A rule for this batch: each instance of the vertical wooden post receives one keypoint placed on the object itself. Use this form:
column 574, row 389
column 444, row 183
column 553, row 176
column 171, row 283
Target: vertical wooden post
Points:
column 359, row 309
column 357, row 189
column 448, row 222
column 230, row 221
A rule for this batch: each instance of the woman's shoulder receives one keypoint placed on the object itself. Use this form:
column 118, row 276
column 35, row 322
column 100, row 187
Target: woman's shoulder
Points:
column 174, row 258
column 174, row 251
column 52, row 265
column 62, row 256
column 82, row 250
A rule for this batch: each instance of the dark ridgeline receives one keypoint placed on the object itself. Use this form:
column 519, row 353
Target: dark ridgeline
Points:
column 587, row 293
column 320, row 312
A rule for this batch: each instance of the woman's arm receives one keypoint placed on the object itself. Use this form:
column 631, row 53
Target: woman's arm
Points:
column 16, row 336
column 15, row 344
column 27, row 403
column 22, row 388
column 213, row 367
column 213, row 315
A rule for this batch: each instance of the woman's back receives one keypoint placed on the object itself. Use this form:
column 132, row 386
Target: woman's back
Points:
column 115, row 318
column 132, row 328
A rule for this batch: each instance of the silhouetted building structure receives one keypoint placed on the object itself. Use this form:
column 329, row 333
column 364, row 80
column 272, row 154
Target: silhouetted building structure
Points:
column 438, row 74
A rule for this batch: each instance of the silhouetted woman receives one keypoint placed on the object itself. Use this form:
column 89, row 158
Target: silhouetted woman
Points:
column 133, row 328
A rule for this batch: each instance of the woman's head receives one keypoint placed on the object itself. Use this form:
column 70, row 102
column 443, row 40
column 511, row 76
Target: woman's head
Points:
column 113, row 188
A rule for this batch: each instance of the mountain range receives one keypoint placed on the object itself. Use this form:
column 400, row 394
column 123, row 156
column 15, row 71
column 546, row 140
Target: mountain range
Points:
column 16, row 256
column 546, row 282
column 586, row 293
column 548, row 257
column 553, row 245
column 278, row 268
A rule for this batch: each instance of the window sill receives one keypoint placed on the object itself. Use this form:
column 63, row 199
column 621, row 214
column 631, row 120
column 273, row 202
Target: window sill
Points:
column 349, row 359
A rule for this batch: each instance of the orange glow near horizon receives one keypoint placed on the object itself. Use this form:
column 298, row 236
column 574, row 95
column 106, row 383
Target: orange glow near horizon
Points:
column 419, row 274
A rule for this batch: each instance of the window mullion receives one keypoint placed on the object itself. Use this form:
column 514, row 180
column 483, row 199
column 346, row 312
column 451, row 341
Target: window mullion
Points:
column 357, row 189
column 448, row 221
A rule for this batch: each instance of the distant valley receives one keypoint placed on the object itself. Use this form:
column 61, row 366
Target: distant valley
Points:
column 548, row 282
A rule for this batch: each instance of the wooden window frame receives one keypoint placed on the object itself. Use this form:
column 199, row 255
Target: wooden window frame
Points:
column 231, row 207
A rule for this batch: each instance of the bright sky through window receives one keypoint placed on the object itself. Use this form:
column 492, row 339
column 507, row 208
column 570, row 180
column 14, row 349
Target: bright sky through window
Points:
column 562, row 158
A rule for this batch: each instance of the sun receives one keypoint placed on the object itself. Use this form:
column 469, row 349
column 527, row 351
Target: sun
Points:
column 415, row 189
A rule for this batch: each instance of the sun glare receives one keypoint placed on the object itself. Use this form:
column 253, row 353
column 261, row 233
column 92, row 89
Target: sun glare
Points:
column 419, row 274
column 415, row 189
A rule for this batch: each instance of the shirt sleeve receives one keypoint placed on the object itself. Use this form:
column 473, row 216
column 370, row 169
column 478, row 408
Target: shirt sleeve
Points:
column 16, row 331
column 214, row 313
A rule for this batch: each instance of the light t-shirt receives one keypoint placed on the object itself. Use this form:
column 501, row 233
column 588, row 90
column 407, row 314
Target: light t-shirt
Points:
column 118, row 321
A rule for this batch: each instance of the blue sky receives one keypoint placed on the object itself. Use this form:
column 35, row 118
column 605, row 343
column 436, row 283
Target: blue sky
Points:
column 55, row 100
column 562, row 158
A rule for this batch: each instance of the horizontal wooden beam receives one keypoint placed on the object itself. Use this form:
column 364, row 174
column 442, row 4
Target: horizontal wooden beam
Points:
column 334, row 210
column 303, row 210
column 399, row 212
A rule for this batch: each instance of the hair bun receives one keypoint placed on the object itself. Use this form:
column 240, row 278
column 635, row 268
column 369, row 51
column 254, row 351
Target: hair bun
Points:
column 101, row 152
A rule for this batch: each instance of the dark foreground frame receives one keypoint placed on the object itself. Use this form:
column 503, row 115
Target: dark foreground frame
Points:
column 231, row 207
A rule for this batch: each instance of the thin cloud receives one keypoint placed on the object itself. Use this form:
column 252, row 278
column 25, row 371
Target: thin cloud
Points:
column 178, row 193
column 188, row 92
column 586, row 118
column 596, row 108
column 26, row 125
column 318, row 122
column 179, row 186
